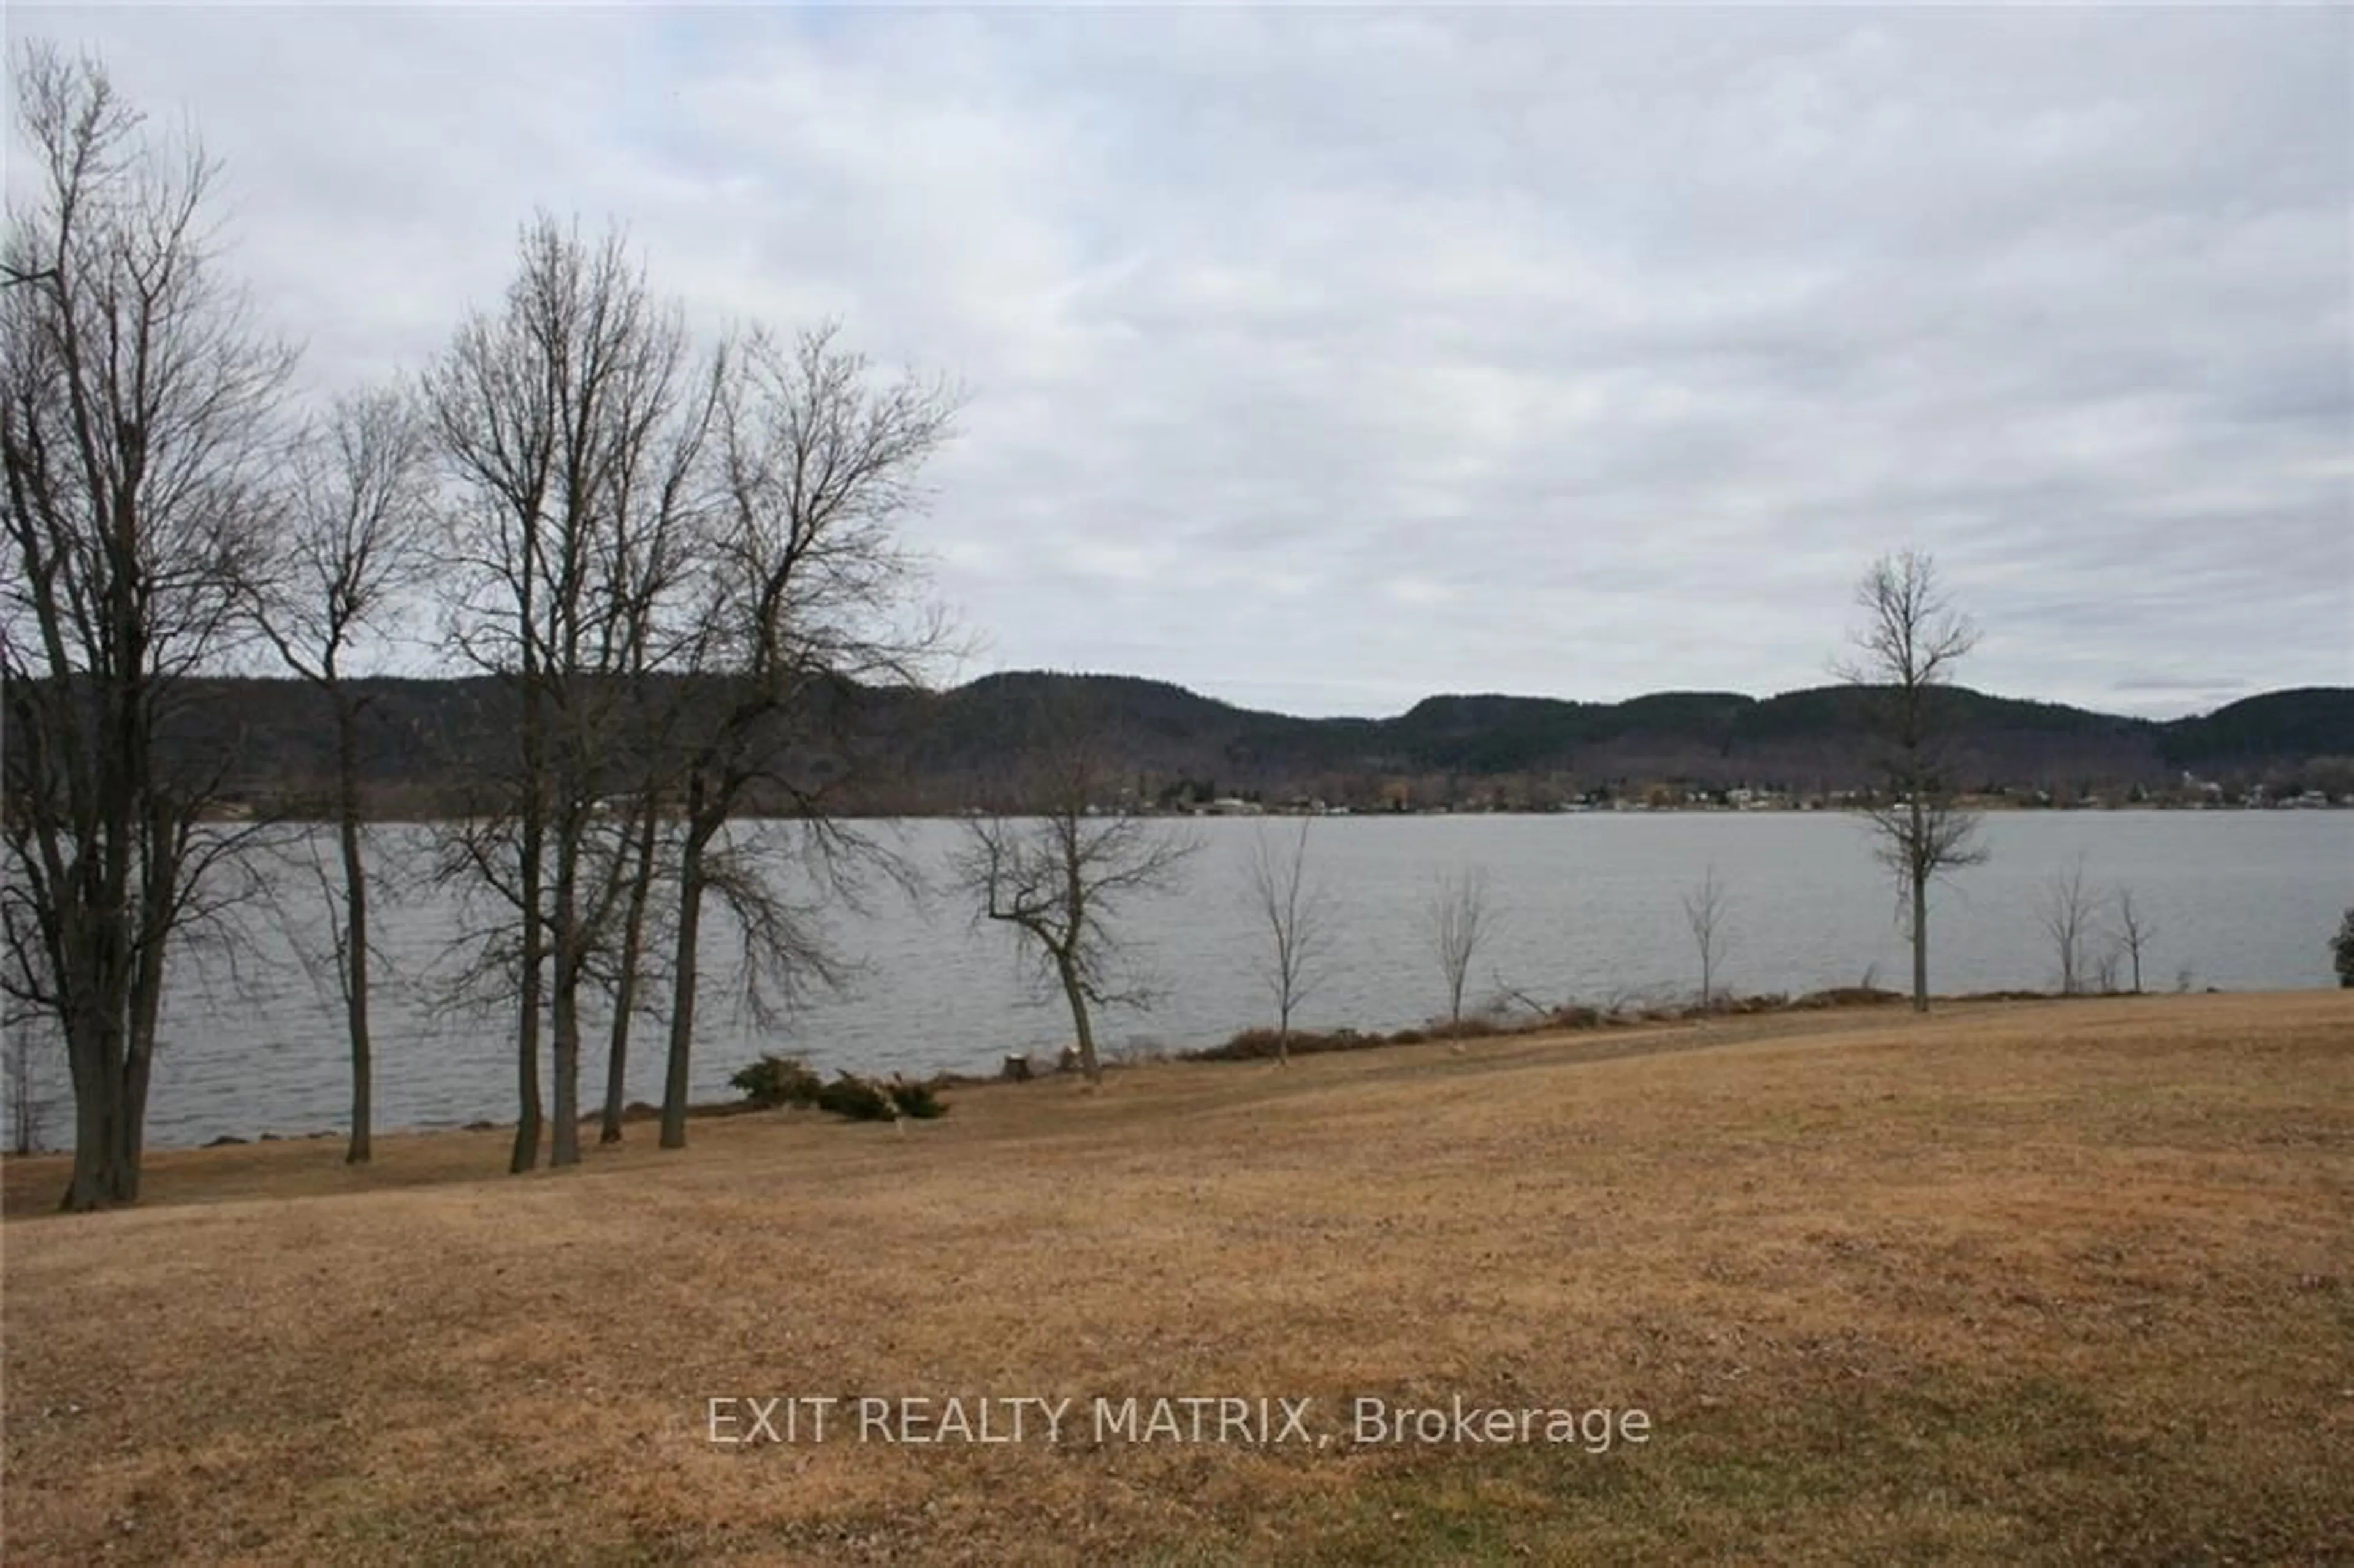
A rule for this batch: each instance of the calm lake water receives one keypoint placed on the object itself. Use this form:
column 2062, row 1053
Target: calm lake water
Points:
column 1585, row 907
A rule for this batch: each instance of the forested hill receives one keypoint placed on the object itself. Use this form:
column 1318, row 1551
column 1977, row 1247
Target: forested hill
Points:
column 926, row 752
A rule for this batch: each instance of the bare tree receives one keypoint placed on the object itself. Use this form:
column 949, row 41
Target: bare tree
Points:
column 1296, row 913
column 1061, row 879
column 352, row 546
column 137, row 421
column 2066, row 912
column 562, row 418
column 805, row 593
column 1705, row 909
column 1905, row 652
column 1455, row 920
column 2135, row 930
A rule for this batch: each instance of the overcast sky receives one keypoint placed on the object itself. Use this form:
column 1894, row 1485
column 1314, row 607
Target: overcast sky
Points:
column 1323, row 359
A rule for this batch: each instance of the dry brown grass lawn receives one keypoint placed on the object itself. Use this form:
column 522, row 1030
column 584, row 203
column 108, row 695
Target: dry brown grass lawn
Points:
column 2068, row 1282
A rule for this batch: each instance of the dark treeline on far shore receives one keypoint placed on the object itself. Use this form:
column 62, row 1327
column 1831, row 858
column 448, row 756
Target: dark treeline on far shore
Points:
column 915, row 753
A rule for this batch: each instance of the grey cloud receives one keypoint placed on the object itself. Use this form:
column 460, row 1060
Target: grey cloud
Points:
column 1325, row 358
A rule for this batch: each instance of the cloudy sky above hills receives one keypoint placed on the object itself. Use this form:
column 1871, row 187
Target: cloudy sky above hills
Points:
column 1323, row 359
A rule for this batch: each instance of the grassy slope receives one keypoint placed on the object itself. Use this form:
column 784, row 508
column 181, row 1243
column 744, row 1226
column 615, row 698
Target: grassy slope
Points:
column 2066, row 1282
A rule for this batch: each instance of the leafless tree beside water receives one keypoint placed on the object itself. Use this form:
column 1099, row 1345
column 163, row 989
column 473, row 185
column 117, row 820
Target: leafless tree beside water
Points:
column 139, row 424
column 1904, row 657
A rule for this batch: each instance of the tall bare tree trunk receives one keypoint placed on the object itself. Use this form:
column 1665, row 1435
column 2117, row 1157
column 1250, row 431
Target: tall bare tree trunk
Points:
column 130, row 1128
column 525, row 1156
column 356, row 999
column 1920, row 914
column 92, row 1056
column 564, row 1146
column 625, row 985
column 139, row 1057
column 356, row 935
column 1074, row 993
column 677, row 1069
column 528, row 1001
